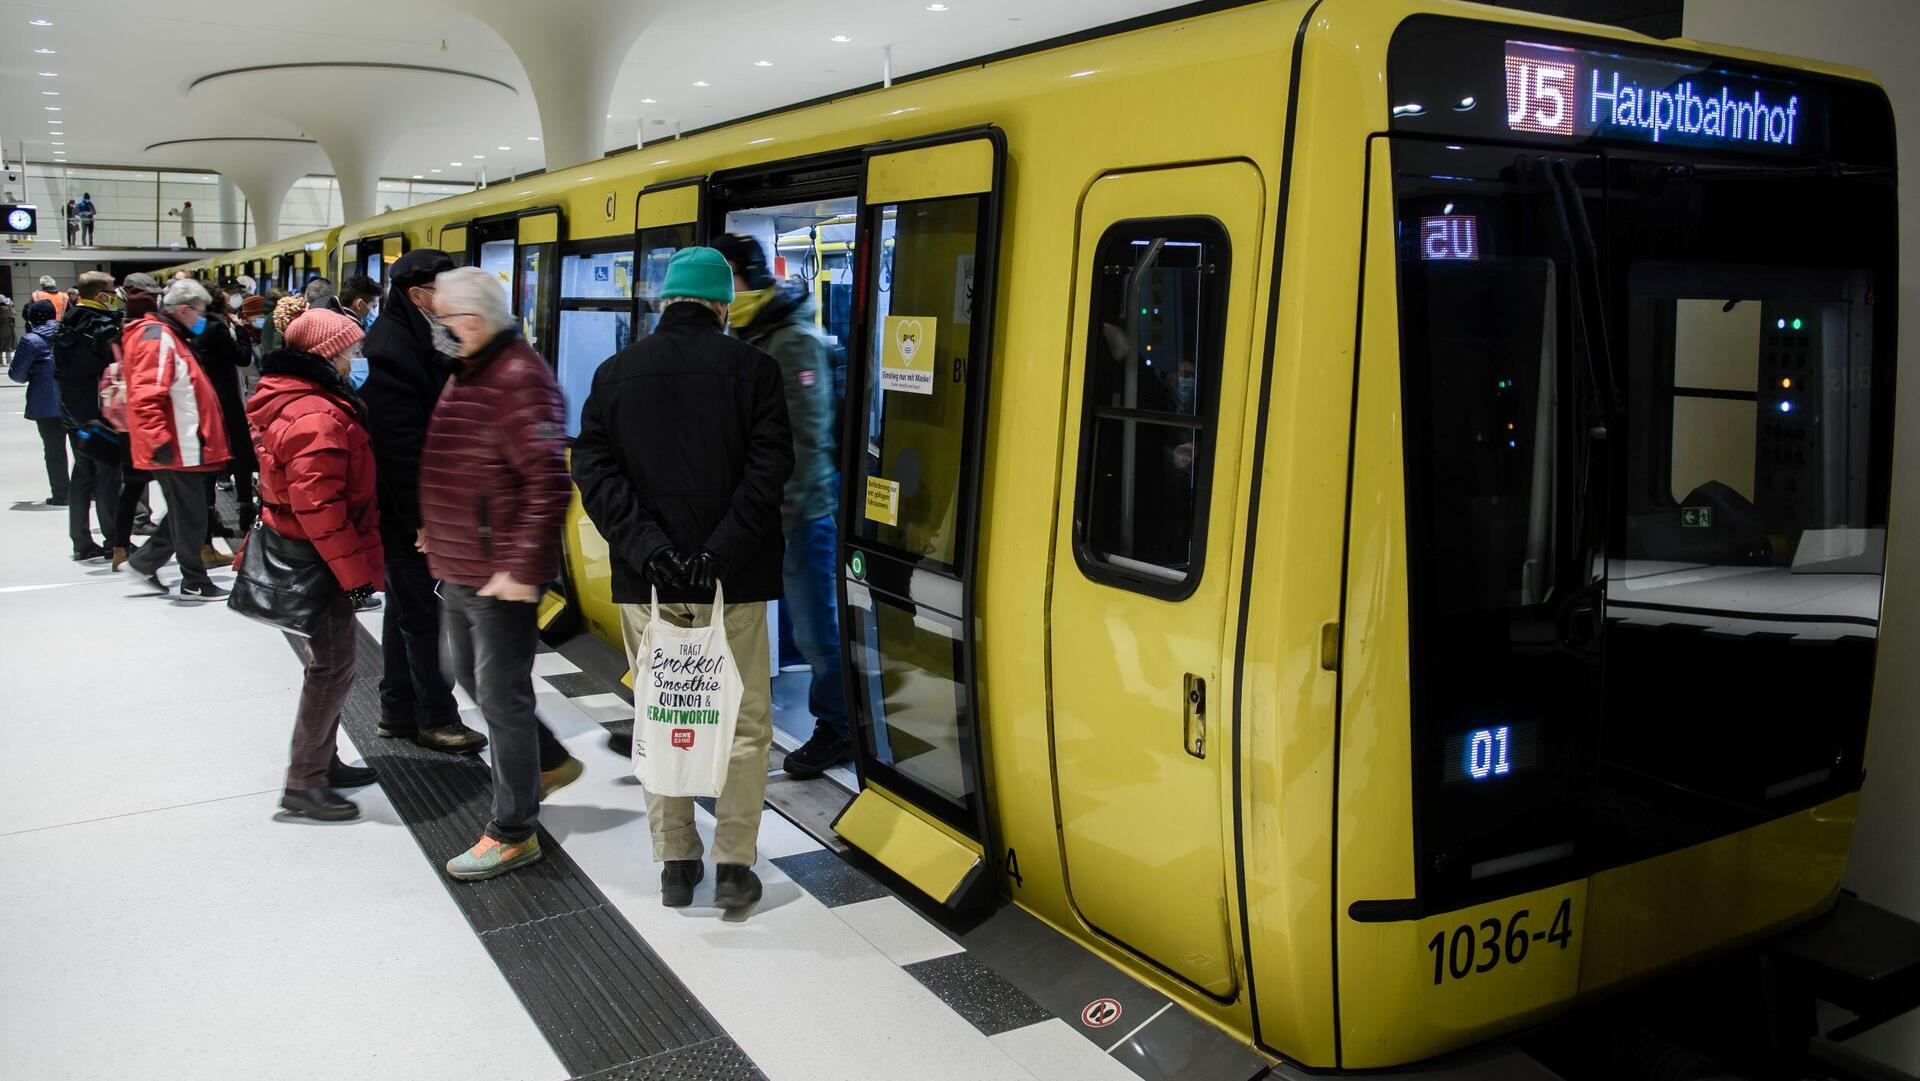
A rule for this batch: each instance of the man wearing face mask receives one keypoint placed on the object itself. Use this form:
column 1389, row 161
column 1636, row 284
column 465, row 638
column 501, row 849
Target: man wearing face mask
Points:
column 358, row 299
column 401, row 380
column 177, row 431
column 779, row 318
column 225, row 352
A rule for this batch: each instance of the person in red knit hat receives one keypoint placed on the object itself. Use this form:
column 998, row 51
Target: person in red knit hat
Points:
column 317, row 485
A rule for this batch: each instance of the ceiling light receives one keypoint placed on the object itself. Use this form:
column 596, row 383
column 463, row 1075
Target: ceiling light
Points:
column 39, row 22
column 649, row 101
column 50, row 74
column 609, row 116
column 701, row 82
column 457, row 164
column 840, row 39
column 417, row 176
column 763, row 63
column 44, row 52
column 433, row 170
column 59, row 144
column 49, row 93
column 503, row 148
column 53, row 108
column 533, row 138
column 936, row 7
column 206, row 178
column 478, row 157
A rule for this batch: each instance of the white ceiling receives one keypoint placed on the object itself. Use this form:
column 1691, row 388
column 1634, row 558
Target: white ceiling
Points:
column 123, row 68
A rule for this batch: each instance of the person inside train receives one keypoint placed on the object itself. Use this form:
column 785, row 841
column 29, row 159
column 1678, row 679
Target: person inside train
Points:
column 33, row 365
column 405, row 375
column 493, row 502
column 683, row 454
column 89, row 337
column 360, row 299
column 178, row 432
column 779, row 318
column 317, row 484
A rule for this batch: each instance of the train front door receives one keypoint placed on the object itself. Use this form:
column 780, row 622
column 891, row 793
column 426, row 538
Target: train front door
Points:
column 1142, row 616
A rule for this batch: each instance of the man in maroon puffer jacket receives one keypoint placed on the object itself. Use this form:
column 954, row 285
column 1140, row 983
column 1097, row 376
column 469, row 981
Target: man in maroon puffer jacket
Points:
column 493, row 498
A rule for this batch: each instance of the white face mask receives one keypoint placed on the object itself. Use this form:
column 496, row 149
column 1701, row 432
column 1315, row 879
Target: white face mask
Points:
column 444, row 340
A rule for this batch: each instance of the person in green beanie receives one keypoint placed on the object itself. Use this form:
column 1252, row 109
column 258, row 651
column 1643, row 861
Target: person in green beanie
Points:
column 684, row 452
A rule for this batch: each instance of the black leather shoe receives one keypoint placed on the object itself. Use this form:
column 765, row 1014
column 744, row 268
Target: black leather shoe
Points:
column 88, row 554
column 677, row 880
column 819, row 754
column 455, row 738
column 734, row 886
column 341, row 775
column 322, row 803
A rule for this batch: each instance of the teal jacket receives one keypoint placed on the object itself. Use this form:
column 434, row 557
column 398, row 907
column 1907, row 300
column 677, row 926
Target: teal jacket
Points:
column 785, row 329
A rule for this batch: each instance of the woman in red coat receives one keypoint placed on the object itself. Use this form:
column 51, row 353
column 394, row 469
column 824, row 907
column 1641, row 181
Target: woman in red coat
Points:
column 317, row 485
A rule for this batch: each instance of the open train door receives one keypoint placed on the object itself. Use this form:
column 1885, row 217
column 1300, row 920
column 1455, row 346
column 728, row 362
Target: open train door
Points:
column 910, row 507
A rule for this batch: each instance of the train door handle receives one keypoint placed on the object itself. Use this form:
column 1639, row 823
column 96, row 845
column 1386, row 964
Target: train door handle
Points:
column 1194, row 713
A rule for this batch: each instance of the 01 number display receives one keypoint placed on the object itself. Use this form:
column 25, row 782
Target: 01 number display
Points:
column 1470, row 948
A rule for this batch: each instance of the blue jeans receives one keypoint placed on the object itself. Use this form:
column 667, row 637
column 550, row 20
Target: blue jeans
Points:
column 809, row 600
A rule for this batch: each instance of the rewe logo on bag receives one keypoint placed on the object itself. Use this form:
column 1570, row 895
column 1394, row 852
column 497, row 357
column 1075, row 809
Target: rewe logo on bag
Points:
column 683, row 738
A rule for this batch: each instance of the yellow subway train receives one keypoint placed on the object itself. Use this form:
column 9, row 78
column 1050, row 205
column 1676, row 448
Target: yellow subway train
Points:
column 1369, row 516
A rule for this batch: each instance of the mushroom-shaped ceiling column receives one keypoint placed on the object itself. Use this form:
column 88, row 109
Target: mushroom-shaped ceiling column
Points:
column 572, row 53
column 263, row 167
column 367, row 109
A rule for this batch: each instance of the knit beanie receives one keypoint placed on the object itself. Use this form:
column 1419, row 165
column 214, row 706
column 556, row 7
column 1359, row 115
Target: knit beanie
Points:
column 323, row 333
column 287, row 311
column 253, row 308
column 699, row 273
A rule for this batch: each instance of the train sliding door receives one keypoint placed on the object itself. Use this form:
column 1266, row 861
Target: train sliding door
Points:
column 1141, row 623
column 916, row 412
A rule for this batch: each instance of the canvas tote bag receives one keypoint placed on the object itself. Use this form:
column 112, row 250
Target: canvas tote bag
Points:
column 686, row 701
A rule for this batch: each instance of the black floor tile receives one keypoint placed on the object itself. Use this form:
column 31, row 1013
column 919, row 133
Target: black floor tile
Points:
column 978, row 993
column 830, row 879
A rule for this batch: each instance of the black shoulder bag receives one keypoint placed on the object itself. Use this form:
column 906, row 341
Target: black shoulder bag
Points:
column 283, row 582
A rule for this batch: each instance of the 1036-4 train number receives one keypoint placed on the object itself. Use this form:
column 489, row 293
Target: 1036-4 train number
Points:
column 1469, row 949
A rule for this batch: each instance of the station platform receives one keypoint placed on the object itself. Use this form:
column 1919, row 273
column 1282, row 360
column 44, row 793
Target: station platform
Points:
column 164, row 920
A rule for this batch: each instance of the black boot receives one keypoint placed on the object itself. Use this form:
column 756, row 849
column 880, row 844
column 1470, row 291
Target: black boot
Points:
column 341, row 775
column 824, row 751
column 322, row 803
column 734, row 886
column 677, row 879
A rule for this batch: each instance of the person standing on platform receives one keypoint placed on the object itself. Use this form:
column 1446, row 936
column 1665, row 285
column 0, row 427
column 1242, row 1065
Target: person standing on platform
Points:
column 493, row 498
column 84, row 208
column 319, row 294
column 33, row 365
column 778, row 318
column 185, row 214
column 359, row 297
column 225, row 351
column 82, row 350
column 684, row 449
column 174, row 418
column 317, row 484
column 131, row 515
column 9, row 329
column 73, row 222
column 51, row 292
column 404, row 378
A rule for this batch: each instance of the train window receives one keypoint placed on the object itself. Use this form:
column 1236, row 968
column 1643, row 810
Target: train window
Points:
column 915, row 396
column 533, row 294
column 657, row 247
column 596, row 316
column 1153, row 363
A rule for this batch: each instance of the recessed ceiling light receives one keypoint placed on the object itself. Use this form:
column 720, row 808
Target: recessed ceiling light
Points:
column 206, row 178
column 53, row 108
column 457, row 164
column 936, row 7
column 50, row 75
column 49, row 93
column 417, row 176
column 44, row 52
column 59, row 144
column 478, row 157
column 39, row 22
column 649, row 101
column 609, row 116
column 533, row 138
column 433, row 170
column 503, row 148
column 763, row 63
column 840, row 39
column 701, row 82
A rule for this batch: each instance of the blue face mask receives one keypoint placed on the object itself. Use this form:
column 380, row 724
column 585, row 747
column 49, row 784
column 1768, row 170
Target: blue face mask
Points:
column 1186, row 390
column 260, row 323
column 357, row 372
column 199, row 325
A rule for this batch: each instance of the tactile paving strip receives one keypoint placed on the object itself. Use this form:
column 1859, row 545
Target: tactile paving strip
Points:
column 606, row 1003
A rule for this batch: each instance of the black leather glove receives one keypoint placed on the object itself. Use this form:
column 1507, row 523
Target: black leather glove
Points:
column 704, row 570
column 360, row 595
column 666, row 568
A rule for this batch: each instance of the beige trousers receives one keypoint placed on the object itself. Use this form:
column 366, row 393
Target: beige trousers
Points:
column 737, row 811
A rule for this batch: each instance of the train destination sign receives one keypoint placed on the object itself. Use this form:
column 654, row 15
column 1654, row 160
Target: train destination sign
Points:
column 1579, row 93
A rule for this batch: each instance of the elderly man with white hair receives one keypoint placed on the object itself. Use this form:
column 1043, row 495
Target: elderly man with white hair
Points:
column 176, row 432
column 493, row 499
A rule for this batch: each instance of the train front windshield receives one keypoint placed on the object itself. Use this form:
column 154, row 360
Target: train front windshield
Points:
column 1649, row 388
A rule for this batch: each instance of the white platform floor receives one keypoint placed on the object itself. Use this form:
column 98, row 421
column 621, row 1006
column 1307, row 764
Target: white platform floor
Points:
column 162, row 921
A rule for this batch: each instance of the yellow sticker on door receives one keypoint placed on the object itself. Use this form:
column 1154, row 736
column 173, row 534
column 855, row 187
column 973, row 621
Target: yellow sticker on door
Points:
column 906, row 355
column 883, row 500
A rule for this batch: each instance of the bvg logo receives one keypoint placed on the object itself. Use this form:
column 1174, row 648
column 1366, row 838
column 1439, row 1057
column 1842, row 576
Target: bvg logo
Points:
column 1540, row 94
column 683, row 738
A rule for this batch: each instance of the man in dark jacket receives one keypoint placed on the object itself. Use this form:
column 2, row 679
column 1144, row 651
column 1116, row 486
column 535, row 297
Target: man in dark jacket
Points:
column 85, row 345
column 778, row 317
column 493, row 499
column 405, row 375
column 33, row 365
column 683, row 451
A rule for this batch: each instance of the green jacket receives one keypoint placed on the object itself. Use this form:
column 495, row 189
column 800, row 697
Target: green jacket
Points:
column 785, row 329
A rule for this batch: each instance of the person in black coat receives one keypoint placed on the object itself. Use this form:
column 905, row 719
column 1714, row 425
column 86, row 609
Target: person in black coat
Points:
column 224, row 349
column 683, row 454
column 405, row 374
